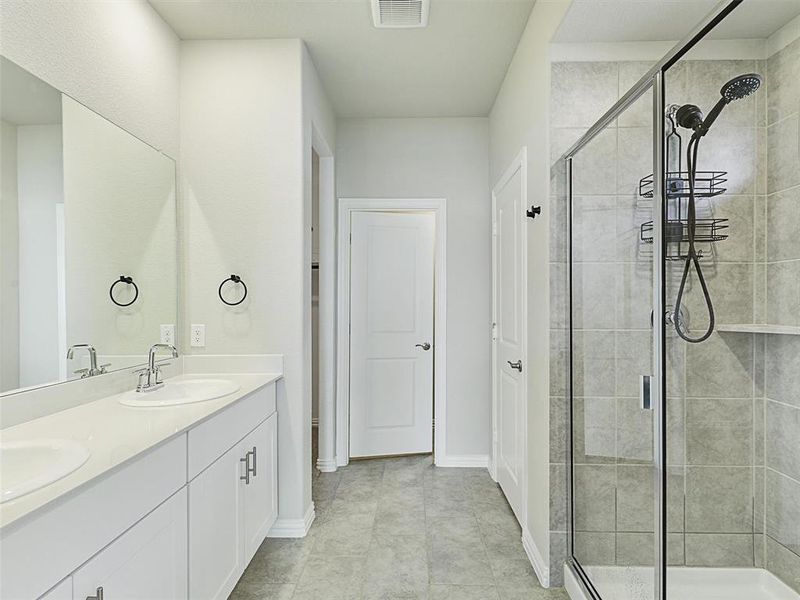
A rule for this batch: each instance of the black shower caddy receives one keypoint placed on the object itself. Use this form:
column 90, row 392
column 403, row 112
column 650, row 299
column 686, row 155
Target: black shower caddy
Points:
column 707, row 184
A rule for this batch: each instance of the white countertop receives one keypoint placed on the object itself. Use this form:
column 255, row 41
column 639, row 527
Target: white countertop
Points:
column 114, row 434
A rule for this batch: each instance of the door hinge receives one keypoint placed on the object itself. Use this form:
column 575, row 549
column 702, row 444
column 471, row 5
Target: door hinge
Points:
column 494, row 227
column 494, row 332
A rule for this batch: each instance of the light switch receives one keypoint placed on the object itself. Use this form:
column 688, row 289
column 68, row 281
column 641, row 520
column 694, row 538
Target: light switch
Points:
column 198, row 336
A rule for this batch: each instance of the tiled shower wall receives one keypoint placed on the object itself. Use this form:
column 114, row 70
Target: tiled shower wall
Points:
column 778, row 470
column 716, row 395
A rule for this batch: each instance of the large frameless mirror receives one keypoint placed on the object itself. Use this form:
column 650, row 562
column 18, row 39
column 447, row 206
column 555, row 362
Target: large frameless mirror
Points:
column 88, row 273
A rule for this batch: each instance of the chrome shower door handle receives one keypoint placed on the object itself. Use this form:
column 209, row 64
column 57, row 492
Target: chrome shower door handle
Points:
column 645, row 394
column 515, row 365
column 425, row 346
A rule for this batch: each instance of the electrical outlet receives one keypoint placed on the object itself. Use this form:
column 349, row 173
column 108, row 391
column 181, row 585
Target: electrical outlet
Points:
column 168, row 334
column 198, row 336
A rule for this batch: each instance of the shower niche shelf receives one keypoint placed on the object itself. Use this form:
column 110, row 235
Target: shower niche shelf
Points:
column 760, row 328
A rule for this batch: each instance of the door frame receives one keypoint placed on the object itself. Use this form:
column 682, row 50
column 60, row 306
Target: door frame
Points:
column 520, row 163
column 437, row 206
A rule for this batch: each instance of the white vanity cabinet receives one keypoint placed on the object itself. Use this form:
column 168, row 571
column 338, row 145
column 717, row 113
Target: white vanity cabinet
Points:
column 147, row 561
column 180, row 520
column 232, row 505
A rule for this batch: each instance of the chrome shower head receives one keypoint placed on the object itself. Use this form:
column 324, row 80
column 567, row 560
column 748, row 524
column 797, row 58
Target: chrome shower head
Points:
column 740, row 87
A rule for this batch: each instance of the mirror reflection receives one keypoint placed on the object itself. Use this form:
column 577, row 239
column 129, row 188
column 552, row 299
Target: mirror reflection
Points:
column 84, row 206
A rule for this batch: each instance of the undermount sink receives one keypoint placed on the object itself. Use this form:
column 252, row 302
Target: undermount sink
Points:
column 29, row 465
column 184, row 391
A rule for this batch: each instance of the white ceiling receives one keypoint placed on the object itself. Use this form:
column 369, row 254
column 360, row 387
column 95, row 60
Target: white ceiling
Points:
column 25, row 99
column 454, row 67
column 669, row 20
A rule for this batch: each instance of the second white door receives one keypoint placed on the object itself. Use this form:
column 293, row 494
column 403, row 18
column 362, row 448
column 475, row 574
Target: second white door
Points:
column 509, row 299
column 391, row 337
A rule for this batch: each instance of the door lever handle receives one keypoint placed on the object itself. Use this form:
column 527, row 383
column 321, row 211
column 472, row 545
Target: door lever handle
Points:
column 426, row 346
column 515, row 365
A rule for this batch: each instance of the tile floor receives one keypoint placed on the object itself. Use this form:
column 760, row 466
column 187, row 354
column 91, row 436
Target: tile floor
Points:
column 399, row 528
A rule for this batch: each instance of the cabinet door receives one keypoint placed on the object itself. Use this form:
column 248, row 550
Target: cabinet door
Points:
column 215, row 528
column 147, row 561
column 261, row 494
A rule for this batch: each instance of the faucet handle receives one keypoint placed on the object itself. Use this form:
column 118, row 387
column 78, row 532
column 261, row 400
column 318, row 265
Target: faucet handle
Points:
column 84, row 373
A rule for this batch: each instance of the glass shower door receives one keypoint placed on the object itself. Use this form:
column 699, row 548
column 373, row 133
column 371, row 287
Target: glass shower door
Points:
column 611, row 275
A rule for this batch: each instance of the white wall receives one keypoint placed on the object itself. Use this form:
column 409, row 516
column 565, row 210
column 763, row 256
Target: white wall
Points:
column 9, row 259
column 118, row 58
column 246, row 110
column 40, row 187
column 440, row 158
column 520, row 117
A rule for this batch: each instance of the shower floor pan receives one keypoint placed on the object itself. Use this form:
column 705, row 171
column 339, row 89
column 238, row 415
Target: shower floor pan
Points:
column 683, row 583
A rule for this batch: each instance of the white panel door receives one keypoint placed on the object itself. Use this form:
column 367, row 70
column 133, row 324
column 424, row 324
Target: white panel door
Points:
column 509, row 316
column 216, row 546
column 147, row 561
column 261, row 491
column 391, row 343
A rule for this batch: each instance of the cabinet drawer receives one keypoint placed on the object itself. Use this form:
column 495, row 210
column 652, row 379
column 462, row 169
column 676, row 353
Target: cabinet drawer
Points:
column 147, row 561
column 74, row 528
column 212, row 438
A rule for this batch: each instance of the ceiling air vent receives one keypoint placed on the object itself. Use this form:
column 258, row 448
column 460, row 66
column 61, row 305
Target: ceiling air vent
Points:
column 400, row 14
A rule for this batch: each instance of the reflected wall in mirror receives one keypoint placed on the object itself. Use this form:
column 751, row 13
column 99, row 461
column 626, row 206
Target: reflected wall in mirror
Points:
column 82, row 203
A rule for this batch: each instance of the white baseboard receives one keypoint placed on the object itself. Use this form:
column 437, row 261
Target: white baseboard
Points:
column 293, row 528
column 541, row 568
column 326, row 465
column 463, row 460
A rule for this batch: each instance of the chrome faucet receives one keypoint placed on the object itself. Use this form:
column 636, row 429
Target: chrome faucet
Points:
column 93, row 368
column 150, row 378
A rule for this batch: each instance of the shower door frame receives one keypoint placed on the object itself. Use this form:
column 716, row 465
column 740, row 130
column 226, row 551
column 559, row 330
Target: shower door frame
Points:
column 652, row 80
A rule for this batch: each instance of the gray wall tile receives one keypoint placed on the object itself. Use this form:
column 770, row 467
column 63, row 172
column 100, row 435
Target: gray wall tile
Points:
column 783, row 225
column 783, row 155
column 783, row 293
column 783, row 369
column 784, row 563
column 593, row 363
column 783, row 81
column 594, row 228
column 719, row 431
column 594, row 431
column 594, row 497
column 783, row 510
column 719, row 550
column 783, row 439
column 719, row 499
column 720, row 367
column 593, row 295
column 592, row 548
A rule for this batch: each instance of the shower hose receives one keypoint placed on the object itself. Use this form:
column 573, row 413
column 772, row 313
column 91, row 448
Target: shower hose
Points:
column 691, row 256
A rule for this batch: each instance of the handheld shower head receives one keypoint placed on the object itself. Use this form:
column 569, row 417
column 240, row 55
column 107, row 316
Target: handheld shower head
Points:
column 740, row 87
column 691, row 117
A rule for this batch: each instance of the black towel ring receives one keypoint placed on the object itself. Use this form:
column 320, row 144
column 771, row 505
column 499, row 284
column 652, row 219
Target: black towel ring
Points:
column 234, row 279
column 129, row 281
